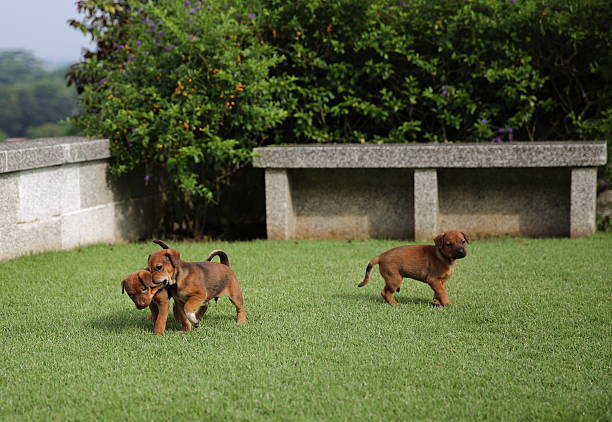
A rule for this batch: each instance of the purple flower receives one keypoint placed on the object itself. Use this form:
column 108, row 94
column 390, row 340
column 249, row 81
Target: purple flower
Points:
column 512, row 1
column 149, row 30
column 501, row 130
column 251, row 15
column 147, row 178
column 169, row 48
column 194, row 10
column 187, row 3
column 138, row 43
column 161, row 33
column 497, row 139
column 483, row 121
column 221, row 124
column 131, row 58
column 510, row 131
column 101, row 81
column 120, row 47
column 444, row 91
column 402, row 3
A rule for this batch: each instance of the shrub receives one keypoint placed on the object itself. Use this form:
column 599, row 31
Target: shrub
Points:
column 421, row 70
column 182, row 87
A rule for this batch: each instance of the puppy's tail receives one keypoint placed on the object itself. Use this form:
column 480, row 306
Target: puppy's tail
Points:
column 222, row 256
column 162, row 244
column 369, row 271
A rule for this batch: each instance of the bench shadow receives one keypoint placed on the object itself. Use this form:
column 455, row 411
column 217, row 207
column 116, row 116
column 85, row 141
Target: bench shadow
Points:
column 359, row 297
column 129, row 319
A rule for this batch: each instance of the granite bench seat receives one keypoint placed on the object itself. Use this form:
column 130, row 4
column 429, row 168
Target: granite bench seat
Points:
column 406, row 191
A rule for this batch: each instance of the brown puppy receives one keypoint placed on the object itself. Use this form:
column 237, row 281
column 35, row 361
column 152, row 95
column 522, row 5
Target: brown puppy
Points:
column 143, row 292
column 431, row 264
column 196, row 282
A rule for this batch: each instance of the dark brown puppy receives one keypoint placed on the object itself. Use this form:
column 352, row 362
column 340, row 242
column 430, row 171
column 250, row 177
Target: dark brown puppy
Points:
column 196, row 282
column 431, row 264
column 143, row 292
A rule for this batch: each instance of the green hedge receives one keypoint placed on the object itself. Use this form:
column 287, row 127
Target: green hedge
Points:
column 191, row 87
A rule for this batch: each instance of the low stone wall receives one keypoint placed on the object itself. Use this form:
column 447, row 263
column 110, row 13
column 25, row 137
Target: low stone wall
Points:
column 408, row 191
column 56, row 194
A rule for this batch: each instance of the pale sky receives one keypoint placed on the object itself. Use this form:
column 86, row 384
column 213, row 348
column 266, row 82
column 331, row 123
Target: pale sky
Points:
column 40, row 27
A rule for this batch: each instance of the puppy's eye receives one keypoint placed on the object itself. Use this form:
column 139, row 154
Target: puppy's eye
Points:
column 463, row 242
column 449, row 244
column 144, row 290
column 158, row 268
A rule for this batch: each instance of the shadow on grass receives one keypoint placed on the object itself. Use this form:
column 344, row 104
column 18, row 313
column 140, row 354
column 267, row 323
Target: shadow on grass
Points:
column 360, row 297
column 130, row 319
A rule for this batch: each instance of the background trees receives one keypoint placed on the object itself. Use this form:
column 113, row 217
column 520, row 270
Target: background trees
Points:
column 33, row 100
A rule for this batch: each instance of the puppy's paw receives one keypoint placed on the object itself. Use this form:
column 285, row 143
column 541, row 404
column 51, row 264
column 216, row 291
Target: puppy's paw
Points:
column 191, row 316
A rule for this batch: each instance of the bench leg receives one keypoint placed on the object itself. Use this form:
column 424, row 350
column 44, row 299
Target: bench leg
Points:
column 583, row 201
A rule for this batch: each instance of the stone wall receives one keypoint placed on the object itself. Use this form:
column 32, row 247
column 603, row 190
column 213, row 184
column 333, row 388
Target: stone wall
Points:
column 57, row 194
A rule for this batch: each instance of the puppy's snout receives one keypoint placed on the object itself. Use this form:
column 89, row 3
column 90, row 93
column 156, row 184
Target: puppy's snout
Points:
column 459, row 253
column 140, row 306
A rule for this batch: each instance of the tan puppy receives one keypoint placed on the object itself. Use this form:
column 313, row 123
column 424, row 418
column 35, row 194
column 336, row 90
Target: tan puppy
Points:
column 196, row 282
column 431, row 264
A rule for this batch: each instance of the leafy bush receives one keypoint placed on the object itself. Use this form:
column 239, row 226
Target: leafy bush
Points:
column 396, row 71
column 191, row 87
column 182, row 87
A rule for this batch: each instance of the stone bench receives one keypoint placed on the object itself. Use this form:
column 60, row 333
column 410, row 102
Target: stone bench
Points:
column 414, row 191
column 55, row 194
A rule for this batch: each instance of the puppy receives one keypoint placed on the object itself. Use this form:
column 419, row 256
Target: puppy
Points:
column 431, row 264
column 196, row 282
column 144, row 292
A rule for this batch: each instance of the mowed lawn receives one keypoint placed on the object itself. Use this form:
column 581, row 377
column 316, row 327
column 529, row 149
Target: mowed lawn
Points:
column 528, row 337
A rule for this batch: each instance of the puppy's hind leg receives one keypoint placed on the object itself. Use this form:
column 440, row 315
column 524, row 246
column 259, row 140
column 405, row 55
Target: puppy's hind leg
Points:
column 392, row 284
column 235, row 296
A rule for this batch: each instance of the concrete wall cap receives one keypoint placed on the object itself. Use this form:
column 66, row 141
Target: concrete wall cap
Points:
column 44, row 152
column 433, row 155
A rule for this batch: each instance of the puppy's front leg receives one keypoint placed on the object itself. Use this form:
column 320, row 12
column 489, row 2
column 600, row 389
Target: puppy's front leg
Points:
column 179, row 315
column 154, row 312
column 440, row 298
column 162, row 316
column 191, row 306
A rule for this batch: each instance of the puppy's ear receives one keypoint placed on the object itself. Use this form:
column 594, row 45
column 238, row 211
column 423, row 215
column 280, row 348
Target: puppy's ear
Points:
column 145, row 278
column 174, row 256
column 466, row 237
column 439, row 240
column 123, row 287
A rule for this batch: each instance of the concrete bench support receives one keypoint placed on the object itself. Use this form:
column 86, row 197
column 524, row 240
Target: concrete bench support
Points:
column 536, row 189
column 425, row 203
column 583, row 201
column 279, row 208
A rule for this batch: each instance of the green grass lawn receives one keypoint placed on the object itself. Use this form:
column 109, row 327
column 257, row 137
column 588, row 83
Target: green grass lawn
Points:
column 528, row 337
